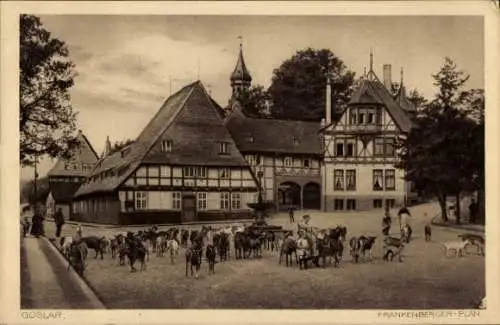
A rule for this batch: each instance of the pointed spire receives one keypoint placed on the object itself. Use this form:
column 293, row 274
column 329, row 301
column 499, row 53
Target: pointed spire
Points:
column 240, row 78
column 401, row 76
column 371, row 59
column 107, row 147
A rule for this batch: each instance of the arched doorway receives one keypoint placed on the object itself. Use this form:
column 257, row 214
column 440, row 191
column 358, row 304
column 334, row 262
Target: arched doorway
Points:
column 312, row 196
column 288, row 195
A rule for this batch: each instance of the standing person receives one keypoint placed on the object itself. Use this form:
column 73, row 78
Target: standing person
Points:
column 405, row 220
column 37, row 223
column 59, row 220
column 386, row 223
column 79, row 231
column 290, row 213
column 307, row 229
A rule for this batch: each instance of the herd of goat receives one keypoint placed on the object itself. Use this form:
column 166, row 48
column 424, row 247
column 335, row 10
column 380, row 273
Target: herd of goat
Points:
column 229, row 242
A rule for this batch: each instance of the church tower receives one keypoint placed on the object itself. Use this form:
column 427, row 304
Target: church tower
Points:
column 240, row 78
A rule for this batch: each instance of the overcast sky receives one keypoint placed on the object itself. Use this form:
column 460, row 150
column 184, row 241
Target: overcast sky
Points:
column 125, row 63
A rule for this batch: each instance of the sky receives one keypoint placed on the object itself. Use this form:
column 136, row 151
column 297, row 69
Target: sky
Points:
column 128, row 65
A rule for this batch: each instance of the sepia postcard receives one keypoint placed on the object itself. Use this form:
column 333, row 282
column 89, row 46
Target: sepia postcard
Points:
column 249, row 162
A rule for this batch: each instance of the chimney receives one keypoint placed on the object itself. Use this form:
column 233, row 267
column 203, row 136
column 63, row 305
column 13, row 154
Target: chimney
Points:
column 387, row 76
column 328, row 113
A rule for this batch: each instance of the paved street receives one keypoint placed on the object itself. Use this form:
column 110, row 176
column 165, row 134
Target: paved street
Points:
column 425, row 279
column 45, row 281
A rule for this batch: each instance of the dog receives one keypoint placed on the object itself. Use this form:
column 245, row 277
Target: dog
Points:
column 475, row 240
column 457, row 246
column 428, row 232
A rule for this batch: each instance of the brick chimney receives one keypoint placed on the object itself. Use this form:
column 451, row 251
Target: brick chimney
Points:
column 387, row 76
column 328, row 113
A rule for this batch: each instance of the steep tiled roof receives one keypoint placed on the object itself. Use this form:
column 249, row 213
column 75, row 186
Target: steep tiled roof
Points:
column 191, row 121
column 276, row 136
column 374, row 92
column 84, row 154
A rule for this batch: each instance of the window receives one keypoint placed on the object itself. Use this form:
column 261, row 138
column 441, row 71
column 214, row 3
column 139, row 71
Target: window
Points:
column 224, row 173
column 176, row 200
column 141, row 200
column 288, row 162
column 338, row 204
column 224, row 201
column 223, row 148
column 251, row 160
column 377, row 203
column 353, row 117
column 339, row 149
column 390, row 179
column 250, row 138
column 338, row 175
column 389, row 149
column 195, row 172
column 235, row 201
column 350, row 179
column 166, row 145
column 390, row 203
column 306, row 163
column 296, row 140
column 202, row 201
column 350, row 150
column 351, row 204
column 378, row 182
column 361, row 118
column 370, row 118
column 378, row 116
column 378, row 147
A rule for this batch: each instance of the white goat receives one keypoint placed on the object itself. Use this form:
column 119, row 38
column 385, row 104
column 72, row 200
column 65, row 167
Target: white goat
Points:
column 457, row 246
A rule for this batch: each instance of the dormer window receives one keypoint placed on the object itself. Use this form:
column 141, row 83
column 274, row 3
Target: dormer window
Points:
column 296, row 140
column 166, row 145
column 124, row 152
column 223, row 148
column 250, row 139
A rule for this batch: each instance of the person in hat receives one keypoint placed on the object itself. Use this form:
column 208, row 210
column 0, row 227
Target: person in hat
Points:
column 307, row 229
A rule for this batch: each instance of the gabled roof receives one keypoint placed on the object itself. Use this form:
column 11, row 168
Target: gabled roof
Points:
column 372, row 91
column 191, row 121
column 274, row 136
column 84, row 154
column 240, row 71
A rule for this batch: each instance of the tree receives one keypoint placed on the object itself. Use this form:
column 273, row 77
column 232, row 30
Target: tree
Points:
column 47, row 120
column 254, row 101
column 119, row 145
column 440, row 152
column 28, row 190
column 298, row 86
column 413, row 95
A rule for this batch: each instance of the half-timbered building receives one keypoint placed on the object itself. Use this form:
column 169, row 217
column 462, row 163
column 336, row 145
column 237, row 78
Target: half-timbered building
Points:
column 284, row 155
column 184, row 166
column 360, row 153
column 68, row 174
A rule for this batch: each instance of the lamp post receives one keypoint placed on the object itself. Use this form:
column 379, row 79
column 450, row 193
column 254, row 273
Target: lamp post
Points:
column 260, row 174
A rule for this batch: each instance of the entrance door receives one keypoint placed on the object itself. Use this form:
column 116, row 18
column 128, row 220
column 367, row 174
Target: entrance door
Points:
column 312, row 196
column 188, row 208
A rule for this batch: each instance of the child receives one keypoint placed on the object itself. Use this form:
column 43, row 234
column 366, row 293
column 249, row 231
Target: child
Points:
column 79, row 231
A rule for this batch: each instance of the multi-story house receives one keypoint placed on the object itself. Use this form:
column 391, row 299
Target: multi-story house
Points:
column 285, row 155
column 360, row 152
column 184, row 166
column 67, row 175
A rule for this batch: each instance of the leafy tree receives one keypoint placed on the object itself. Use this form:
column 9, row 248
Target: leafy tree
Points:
column 440, row 152
column 42, row 190
column 298, row 86
column 254, row 101
column 413, row 95
column 47, row 119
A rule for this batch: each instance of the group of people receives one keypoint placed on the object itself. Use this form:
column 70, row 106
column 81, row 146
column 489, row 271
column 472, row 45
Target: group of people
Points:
column 35, row 226
column 404, row 219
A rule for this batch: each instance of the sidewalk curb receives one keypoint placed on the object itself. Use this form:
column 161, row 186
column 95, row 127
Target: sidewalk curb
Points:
column 81, row 281
column 454, row 226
